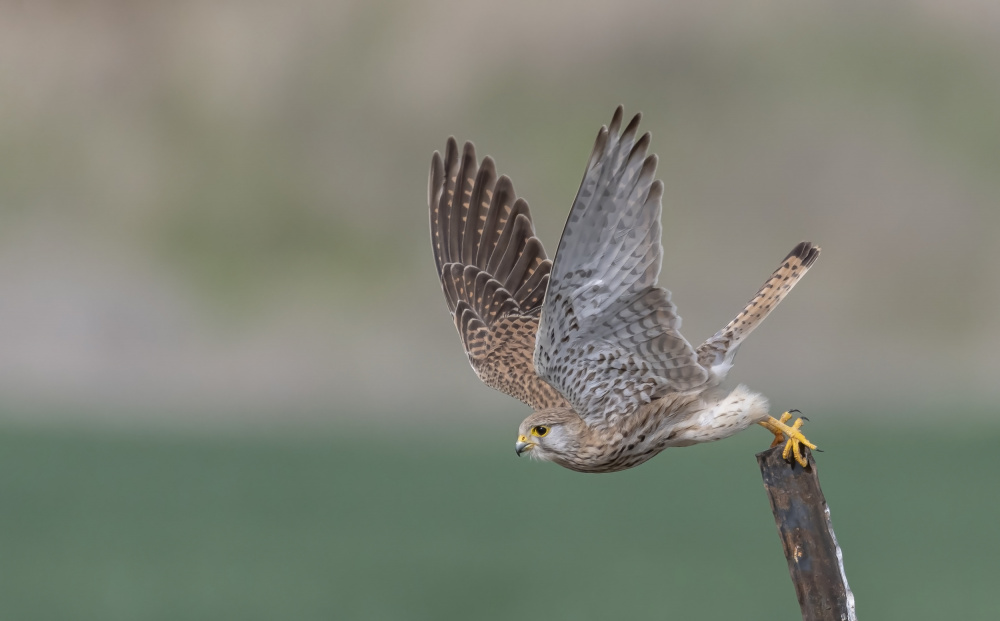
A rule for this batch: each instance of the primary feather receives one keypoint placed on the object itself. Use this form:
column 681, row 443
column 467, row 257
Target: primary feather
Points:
column 493, row 271
column 609, row 338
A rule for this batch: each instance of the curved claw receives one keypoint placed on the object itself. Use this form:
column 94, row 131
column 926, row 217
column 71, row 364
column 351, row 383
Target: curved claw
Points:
column 790, row 434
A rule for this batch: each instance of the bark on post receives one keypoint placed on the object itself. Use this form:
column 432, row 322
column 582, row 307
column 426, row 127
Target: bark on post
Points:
column 815, row 561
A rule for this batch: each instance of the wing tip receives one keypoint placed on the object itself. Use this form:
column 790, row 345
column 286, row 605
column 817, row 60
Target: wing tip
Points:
column 655, row 190
column 600, row 143
column 641, row 145
column 633, row 125
column 616, row 119
column 503, row 181
column 469, row 150
column 434, row 179
column 450, row 149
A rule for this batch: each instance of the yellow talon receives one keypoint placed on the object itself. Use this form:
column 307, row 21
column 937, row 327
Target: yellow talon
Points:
column 794, row 437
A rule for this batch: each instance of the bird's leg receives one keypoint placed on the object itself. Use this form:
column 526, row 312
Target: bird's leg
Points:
column 779, row 435
column 794, row 437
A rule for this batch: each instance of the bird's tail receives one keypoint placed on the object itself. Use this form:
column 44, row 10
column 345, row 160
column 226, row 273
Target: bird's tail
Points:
column 716, row 354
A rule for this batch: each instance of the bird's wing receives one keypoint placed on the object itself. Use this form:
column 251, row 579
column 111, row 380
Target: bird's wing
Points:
column 493, row 271
column 609, row 338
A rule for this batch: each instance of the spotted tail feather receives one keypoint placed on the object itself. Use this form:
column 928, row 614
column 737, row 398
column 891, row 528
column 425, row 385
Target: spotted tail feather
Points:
column 717, row 353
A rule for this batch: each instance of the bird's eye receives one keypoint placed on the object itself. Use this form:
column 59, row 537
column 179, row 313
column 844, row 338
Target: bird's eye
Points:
column 539, row 431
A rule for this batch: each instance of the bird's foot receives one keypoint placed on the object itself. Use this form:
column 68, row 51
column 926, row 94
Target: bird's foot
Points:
column 790, row 435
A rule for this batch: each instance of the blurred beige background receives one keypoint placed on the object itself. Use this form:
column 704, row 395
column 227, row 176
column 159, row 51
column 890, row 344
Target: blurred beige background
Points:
column 216, row 211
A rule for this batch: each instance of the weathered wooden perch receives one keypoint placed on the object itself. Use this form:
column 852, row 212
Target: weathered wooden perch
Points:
column 815, row 561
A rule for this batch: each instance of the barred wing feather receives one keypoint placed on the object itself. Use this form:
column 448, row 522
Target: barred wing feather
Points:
column 609, row 338
column 493, row 271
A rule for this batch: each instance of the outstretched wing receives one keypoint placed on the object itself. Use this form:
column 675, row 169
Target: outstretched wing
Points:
column 493, row 271
column 609, row 338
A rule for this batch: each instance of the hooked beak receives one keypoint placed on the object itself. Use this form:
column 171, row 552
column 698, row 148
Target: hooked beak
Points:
column 523, row 445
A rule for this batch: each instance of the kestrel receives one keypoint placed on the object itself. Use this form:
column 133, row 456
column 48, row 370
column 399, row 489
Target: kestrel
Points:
column 589, row 340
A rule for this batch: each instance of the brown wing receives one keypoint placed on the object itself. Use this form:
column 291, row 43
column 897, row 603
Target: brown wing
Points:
column 493, row 271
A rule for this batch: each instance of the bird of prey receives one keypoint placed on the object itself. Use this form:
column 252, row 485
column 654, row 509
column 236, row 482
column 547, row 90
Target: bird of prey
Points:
column 589, row 340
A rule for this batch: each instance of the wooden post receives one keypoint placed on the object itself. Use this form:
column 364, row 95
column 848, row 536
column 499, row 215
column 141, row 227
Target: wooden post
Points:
column 815, row 561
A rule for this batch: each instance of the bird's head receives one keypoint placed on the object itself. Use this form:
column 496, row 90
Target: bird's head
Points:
column 552, row 435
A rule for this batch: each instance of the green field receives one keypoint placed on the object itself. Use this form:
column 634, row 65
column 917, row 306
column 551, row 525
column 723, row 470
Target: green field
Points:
column 343, row 525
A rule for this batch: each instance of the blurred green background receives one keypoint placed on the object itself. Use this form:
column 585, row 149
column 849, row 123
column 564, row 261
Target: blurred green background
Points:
column 229, row 387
